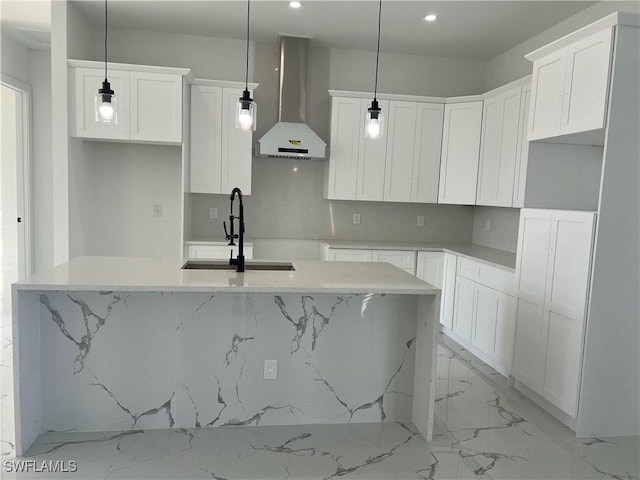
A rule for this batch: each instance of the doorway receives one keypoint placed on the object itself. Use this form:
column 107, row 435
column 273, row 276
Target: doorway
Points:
column 15, row 231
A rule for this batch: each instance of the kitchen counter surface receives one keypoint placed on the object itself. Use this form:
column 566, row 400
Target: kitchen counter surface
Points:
column 154, row 275
column 500, row 258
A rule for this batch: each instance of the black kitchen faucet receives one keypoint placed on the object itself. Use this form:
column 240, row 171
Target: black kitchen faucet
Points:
column 239, row 260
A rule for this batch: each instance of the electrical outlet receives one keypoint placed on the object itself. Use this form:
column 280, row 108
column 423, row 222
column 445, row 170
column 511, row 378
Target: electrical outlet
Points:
column 157, row 210
column 487, row 224
column 270, row 369
column 356, row 219
column 213, row 213
column 420, row 222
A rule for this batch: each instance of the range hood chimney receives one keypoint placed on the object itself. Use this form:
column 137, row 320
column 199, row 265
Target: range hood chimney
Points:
column 291, row 137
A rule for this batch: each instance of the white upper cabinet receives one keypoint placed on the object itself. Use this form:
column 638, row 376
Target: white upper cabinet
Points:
column 499, row 149
column 570, row 88
column 371, row 157
column 401, row 124
column 460, row 150
column 220, row 152
column 149, row 104
column 401, row 165
column 236, row 146
column 155, row 101
column 87, row 83
column 587, row 83
column 522, row 159
column 206, row 137
column 426, row 152
column 346, row 125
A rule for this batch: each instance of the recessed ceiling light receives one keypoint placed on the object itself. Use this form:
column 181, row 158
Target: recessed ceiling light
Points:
column 295, row 4
column 431, row 17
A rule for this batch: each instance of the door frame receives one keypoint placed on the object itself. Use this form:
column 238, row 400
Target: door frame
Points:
column 23, row 171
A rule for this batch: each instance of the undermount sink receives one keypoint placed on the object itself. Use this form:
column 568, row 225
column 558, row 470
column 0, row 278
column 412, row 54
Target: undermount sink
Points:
column 249, row 265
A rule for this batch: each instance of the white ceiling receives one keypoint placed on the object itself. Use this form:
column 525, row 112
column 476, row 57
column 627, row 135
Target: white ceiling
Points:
column 465, row 29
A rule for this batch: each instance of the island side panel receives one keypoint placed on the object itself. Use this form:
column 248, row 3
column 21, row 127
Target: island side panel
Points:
column 27, row 372
column 127, row 361
column 424, row 385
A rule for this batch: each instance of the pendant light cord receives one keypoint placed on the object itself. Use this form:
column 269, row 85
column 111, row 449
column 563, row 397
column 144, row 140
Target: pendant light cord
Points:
column 375, row 88
column 105, row 40
column 246, row 78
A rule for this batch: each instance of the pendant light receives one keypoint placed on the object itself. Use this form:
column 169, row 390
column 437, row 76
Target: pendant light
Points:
column 373, row 122
column 106, row 103
column 246, row 110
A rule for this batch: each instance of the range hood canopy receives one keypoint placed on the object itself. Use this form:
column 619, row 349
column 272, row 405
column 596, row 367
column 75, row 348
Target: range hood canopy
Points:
column 291, row 137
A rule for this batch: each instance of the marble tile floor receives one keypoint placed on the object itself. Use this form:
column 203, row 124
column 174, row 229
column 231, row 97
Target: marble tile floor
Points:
column 484, row 430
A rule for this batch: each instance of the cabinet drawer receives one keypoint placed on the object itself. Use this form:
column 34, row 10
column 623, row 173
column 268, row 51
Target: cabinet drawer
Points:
column 349, row 255
column 497, row 278
column 469, row 269
column 405, row 260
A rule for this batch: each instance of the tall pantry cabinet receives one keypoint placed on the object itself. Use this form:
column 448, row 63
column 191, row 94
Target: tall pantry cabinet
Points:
column 578, row 315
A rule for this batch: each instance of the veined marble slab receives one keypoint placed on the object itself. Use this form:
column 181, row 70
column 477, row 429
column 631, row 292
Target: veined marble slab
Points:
column 101, row 351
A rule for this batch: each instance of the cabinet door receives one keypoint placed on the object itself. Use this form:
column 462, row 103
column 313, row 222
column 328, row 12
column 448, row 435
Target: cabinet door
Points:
column 460, row 150
column 371, row 158
column 448, row 290
column 499, row 149
column 426, row 152
column 568, row 273
column 156, row 107
column 533, row 248
column 486, row 317
column 529, row 350
column 346, row 125
column 400, row 145
column 403, row 259
column 464, row 307
column 430, row 267
column 547, row 94
column 494, row 325
column 87, row 83
column 587, row 83
column 349, row 255
column 236, row 147
column 522, row 158
column 206, row 136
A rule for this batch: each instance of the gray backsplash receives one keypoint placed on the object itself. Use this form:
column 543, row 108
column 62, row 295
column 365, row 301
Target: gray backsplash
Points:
column 503, row 227
column 287, row 202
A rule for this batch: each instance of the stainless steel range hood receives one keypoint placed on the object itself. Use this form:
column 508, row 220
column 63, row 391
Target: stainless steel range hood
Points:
column 291, row 137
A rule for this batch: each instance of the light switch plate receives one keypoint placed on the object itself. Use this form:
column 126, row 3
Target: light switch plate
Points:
column 420, row 222
column 213, row 213
column 356, row 219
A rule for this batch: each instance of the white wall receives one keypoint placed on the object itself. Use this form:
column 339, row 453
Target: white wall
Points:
column 14, row 58
column 405, row 73
column 42, row 168
column 512, row 65
column 125, row 181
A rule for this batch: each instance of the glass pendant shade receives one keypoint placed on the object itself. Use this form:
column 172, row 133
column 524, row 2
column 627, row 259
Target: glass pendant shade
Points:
column 246, row 113
column 373, row 122
column 106, row 105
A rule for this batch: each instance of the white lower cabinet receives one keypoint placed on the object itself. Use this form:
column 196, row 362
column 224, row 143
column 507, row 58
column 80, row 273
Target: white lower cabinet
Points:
column 484, row 312
column 404, row 259
column 217, row 251
column 439, row 269
column 553, row 274
column 464, row 307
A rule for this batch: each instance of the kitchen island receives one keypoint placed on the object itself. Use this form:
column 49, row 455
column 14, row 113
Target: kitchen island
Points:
column 125, row 344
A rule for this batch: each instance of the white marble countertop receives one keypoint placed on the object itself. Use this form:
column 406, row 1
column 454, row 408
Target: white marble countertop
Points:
column 154, row 275
column 500, row 258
